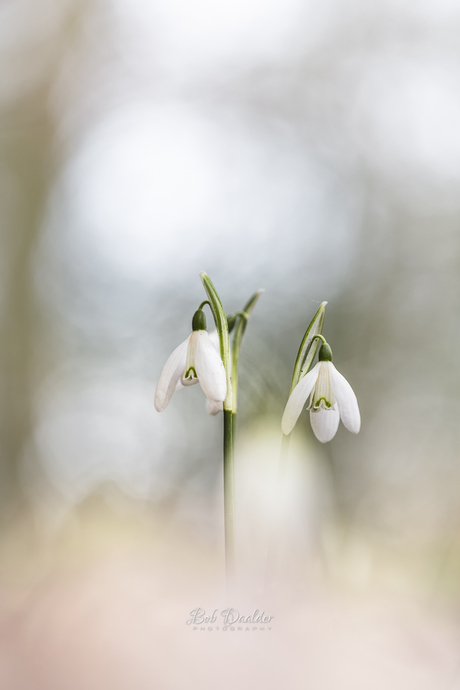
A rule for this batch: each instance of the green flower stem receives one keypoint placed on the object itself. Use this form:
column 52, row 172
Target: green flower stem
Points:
column 230, row 407
column 319, row 337
column 206, row 301
column 229, row 497
column 220, row 320
column 235, row 357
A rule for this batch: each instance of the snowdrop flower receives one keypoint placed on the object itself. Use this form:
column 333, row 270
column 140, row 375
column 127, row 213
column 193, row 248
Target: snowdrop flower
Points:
column 213, row 407
column 331, row 399
column 196, row 360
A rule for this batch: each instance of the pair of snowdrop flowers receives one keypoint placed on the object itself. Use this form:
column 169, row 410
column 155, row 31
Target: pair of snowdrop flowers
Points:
column 197, row 360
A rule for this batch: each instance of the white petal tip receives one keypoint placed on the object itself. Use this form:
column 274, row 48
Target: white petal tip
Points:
column 325, row 423
column 356, row 429
column 297, row 400
column 286, row 428
column 289, row 420
column 346, row 401
column 159, row 405
column 213, row 407
column 352, row 420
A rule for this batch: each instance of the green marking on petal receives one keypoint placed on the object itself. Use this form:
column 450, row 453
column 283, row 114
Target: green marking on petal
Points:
column 319, row 403
column 190, row 373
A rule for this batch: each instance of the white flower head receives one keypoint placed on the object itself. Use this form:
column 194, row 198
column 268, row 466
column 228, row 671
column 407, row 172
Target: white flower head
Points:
column 331, row 399
column 213, row 407
column 196, row 360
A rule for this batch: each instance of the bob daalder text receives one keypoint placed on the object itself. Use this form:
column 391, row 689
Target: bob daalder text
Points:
column 230, row 616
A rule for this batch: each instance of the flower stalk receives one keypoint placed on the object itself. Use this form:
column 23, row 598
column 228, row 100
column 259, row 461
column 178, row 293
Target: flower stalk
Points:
column 305, row 356
column 220, row 320
column 238, row 322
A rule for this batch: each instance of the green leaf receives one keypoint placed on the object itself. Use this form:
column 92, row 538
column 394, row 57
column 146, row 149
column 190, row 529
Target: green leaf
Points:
column 220, row 320
column 307, row 349
column 250, row 304
column 238, row 337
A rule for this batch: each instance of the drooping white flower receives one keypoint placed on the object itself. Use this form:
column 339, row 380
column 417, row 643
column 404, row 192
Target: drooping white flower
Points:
column 331, row 399
column 213, row 407
column 196, row 360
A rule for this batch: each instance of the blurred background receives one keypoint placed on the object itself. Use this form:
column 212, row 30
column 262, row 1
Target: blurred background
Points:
column 309, row 149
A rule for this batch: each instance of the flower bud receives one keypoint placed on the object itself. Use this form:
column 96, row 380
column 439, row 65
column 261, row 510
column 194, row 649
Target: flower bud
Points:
column 325, row 353
column 199, row 321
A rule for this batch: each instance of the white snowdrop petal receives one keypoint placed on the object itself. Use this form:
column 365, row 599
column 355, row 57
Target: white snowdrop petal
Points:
column 189, row 376
column 213, row 407
column 346, row 401
column 297, row 400
column 325, row 423
column 209, row 369
column 214, row 338
column 323, row 390
column 187, row 382
column 170, row 376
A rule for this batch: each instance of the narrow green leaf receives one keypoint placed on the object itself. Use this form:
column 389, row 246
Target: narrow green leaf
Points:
column 307, row 350
column 222, row 328
column 250, row 304
column 237, row 338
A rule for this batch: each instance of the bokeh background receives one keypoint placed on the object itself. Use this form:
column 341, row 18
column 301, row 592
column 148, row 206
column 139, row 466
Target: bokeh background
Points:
column 309, row 149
